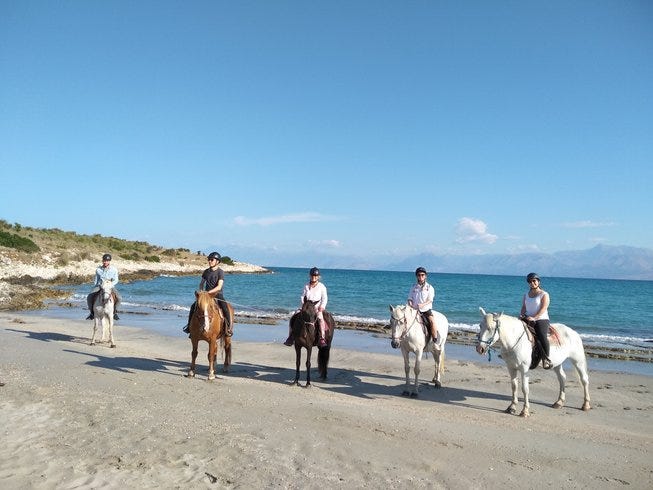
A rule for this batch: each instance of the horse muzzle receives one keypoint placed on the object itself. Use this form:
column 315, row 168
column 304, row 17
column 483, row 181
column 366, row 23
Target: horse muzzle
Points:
column 394, row 343
column 480, row 349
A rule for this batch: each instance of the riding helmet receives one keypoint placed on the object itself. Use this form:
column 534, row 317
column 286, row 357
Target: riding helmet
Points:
column 106, row 257
column 420, row 270
column 532, row 276
column 215, row 255
column 315, row 271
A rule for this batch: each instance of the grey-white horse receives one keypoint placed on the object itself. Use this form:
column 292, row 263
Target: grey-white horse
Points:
column 103, row 308
column 410, row 334
column 516, row 351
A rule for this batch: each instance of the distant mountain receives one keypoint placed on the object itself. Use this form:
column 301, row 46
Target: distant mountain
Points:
column 601, row 261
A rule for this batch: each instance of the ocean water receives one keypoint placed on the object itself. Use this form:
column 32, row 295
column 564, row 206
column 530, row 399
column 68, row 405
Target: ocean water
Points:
column 610, row 313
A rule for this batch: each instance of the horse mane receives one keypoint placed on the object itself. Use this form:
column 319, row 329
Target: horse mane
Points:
column 205, row 300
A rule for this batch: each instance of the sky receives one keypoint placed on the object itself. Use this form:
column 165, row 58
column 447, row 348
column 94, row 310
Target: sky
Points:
column 279, row 131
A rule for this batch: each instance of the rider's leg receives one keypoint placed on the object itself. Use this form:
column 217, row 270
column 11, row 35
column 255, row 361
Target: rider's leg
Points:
column 224, row 307
column 291, row 339
column 90, row 299
column 542, row 333
column 434, row 331
column 186, row 328
column 321, row 329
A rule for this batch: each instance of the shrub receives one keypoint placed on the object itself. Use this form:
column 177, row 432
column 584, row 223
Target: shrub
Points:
column 152, row 258
column 12, row 240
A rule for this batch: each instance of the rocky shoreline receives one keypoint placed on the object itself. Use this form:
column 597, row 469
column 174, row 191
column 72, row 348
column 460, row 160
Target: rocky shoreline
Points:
column 28, row 285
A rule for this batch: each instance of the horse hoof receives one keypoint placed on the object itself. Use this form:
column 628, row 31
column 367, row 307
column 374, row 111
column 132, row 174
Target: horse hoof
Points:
column 413, row 395
column 586, row 407
column 437, row 384
column 524, row 414
column 405, row 393
column 191, row 374
column 113, row 346
column 511, row 411
column 92, row 343
column 557, row 405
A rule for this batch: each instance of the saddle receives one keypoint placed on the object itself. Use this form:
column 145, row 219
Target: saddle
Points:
column 538, row 352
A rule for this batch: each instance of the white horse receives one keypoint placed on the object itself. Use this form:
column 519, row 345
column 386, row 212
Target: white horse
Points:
column 410, row 334
column 516, row 351
column 103, row 307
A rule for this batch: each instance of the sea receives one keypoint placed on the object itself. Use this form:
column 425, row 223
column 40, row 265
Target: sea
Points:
column 612, row 314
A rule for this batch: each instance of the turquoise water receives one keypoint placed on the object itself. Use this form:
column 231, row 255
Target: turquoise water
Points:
column 604, row 312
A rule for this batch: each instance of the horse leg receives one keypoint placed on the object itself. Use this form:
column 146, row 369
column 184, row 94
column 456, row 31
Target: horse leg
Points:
column 514, row 384
column 111, row 341
column 227, row 354
column 581, row 369
column 438, row 358
column 298, row 359
column 406, row 354
column 562, row 378
column 416, row 369
column 191, row 371
column 212, row 353
column 308, row 366
column 525, row 412
column 95, row 326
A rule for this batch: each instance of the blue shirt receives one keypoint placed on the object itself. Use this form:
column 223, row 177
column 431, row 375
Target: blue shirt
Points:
column 102, row 273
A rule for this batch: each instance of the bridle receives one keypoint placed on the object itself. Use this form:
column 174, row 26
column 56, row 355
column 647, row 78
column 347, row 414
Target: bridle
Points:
column 496, row 335
column 406, row 328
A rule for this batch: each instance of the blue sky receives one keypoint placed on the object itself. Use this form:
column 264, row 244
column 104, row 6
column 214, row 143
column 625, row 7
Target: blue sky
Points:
column 279, row 130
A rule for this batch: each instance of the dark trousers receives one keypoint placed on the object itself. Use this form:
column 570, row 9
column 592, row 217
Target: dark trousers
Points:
column 542, row 334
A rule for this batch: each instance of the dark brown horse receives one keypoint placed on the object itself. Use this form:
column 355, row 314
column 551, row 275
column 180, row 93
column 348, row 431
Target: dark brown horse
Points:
column 207, row 324
column 305, row 334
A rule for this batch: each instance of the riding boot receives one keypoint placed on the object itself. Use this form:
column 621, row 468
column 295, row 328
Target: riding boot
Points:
column 290, row 340
column 186, row 328
column 91, row 316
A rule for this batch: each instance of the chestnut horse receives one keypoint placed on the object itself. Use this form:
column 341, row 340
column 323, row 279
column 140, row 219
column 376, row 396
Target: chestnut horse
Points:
column 207, row 324
column 305, row 334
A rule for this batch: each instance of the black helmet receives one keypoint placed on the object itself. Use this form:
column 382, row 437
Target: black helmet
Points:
column 532, row 276
column 314, row 271
column 106, row 257
column 215, row 255
column 420, row 269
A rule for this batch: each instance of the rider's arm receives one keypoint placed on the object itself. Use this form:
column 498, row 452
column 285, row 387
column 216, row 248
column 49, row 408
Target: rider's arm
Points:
column 217, row 288
column 324, row 299
column 523, row 306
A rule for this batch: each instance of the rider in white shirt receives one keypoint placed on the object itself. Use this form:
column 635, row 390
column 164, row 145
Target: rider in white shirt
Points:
column 421, row 298
column 104, row 272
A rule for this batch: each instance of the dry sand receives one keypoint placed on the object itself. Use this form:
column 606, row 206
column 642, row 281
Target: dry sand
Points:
column 76, row 416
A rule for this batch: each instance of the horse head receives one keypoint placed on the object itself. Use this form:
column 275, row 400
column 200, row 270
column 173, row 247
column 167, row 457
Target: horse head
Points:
column 308, row 312
column 106, row 288
column 398, row 324
column 488, row 332
column 206, row 309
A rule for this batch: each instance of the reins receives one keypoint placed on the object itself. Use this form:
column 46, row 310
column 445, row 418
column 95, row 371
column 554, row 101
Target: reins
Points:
column 495, row 336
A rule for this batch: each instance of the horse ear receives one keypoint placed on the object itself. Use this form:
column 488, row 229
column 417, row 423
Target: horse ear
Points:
column 392, row 308
column 482, row 311
column 197, row 295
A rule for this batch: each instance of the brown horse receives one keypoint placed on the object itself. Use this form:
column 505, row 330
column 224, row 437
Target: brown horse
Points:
column 207, row 324
column 305, row 334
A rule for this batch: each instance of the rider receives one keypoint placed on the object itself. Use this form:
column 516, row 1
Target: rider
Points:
column 108, row 272
column 213, row 282
column 421, row 298
column 534, row 310
column 314, row 290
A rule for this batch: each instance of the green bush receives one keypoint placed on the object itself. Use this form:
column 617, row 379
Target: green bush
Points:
column 152, row 258
column 12, row 240
column 227, row 260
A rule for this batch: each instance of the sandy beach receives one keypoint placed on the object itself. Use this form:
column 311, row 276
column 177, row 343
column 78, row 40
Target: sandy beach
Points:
column 81, row 416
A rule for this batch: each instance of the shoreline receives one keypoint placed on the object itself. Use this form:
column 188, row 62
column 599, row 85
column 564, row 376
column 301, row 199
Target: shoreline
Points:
column 76, row 415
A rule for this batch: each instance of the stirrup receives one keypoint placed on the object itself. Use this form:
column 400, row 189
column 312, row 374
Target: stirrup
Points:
column 289, row 341
column 186, row 328
column 90, row 316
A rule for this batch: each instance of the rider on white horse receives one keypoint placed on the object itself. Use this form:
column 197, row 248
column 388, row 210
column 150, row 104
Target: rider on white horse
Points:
column 104, row 272
column 534, row 310
column 421, row 298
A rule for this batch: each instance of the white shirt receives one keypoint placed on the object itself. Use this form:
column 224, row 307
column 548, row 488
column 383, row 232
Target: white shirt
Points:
column 422, row 294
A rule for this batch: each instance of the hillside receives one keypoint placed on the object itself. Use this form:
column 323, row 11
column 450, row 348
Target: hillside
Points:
column 33, row 260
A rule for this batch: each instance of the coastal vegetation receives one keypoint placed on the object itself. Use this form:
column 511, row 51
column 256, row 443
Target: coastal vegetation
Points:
column 33, row 261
